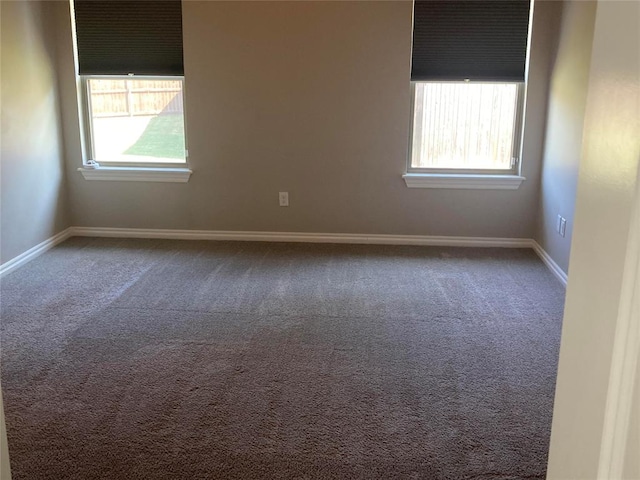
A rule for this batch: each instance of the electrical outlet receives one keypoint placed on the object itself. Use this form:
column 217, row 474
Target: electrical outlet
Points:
column 561, row 226
column 283, row 197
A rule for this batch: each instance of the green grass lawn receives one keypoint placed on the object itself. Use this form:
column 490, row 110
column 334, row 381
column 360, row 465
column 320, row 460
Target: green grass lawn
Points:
column 163, row 138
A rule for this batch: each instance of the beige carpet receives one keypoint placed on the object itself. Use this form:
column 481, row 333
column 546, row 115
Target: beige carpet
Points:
column 151, row 359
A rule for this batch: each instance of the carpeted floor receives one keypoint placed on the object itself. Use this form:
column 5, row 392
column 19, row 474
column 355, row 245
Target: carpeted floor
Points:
column 154, row 359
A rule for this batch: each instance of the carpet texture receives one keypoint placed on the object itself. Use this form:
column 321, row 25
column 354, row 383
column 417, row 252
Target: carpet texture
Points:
column 155, row 359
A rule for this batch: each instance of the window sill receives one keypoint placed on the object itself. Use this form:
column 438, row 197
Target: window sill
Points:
column 137, row 174
column 463, row 181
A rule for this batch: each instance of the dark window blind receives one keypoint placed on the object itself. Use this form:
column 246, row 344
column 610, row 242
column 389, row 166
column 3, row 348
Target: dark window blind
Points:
column 470, row 39
column 118, row 37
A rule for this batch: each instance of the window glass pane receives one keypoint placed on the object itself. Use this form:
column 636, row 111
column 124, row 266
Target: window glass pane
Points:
column 464, row 125
column 137, row 120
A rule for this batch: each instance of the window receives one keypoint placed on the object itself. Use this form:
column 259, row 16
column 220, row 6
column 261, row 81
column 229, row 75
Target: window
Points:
column 459, row 126
column 131, row 69
column 135, row 120
column 468, row 81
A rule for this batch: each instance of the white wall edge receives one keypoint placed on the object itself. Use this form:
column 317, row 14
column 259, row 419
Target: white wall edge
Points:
column 463, row 181
column 549, row 262
column 137, row 174
column 624, row 363
column 34, row 252
column 303, row 237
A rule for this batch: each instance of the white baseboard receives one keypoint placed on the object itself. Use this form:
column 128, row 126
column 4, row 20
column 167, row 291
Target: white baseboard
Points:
column 303, row 237
column 549, row 262
column 426, row 240
column 34, row 252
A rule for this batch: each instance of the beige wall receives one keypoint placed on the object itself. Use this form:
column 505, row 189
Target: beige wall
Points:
column 607, row 185
column 563, row 138
column 631, row 469
column 311, row 98
column 33, row 199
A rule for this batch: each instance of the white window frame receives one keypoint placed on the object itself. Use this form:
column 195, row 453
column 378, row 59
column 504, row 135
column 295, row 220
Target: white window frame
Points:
column 128, row 171
column 470, row 178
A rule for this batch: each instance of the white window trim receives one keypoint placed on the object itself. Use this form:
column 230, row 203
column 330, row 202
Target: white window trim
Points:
column 137, row 174
column 470, row 179
column 169, row 172
column 463, row 181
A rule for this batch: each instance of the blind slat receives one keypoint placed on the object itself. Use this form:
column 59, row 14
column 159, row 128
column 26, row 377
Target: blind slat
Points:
column 470, row 39
column 118, row 37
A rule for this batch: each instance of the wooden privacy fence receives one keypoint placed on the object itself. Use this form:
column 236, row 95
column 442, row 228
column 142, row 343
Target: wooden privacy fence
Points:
column 116, row 98
column 464, row 125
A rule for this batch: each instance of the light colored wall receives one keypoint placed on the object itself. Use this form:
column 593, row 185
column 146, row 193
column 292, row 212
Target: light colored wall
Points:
column 631, row 469
column 565, row 118
column 607, row 185
column 311, row 98
column 33, row 203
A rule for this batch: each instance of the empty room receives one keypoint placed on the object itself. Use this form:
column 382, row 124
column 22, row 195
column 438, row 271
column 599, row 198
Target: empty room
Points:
column 320, row 239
